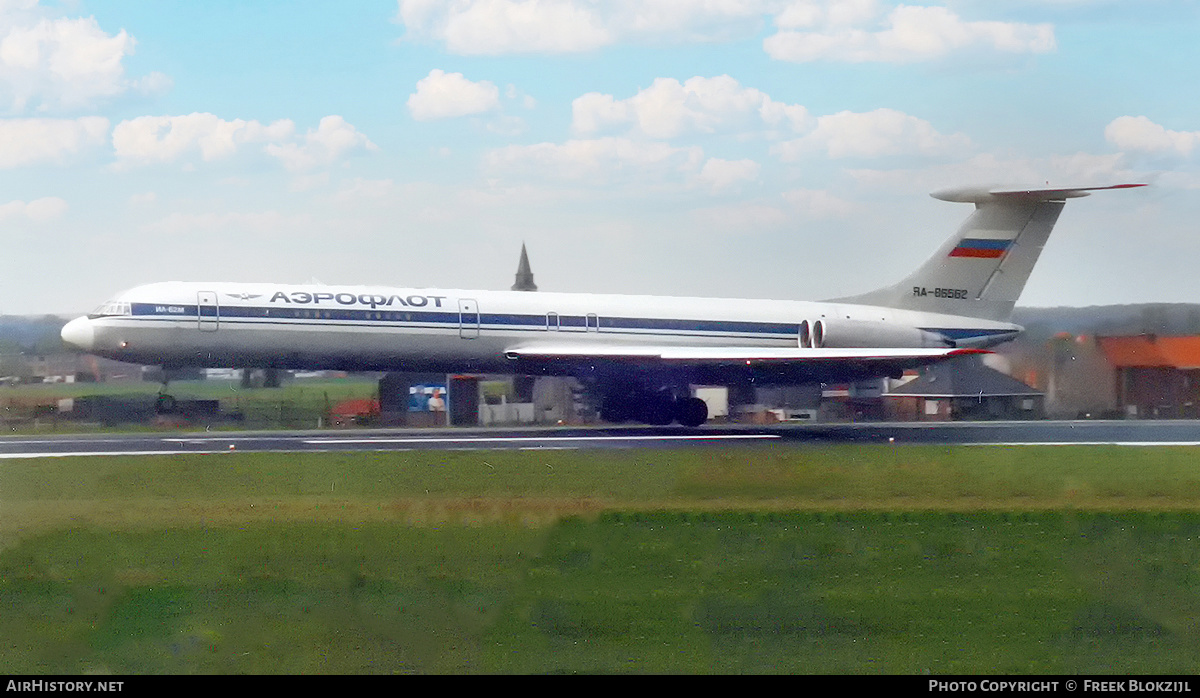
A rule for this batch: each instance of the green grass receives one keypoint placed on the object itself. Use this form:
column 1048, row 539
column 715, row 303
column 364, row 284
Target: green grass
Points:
column 272, row 598
column 835, row 478
column 1036, row 593
column 860, row 593
column 844, row 559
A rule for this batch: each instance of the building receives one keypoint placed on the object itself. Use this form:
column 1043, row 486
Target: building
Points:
column 1155, row 377
column 67, row 367
column 524, row 279
column 963, row 388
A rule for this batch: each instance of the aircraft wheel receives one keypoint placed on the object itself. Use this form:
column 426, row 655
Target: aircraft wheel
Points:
column 615, row 409
column 165, row 404
column 692, row 412
column 658, row 410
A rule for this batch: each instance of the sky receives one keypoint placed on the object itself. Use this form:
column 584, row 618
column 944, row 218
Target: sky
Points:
column 723, row 148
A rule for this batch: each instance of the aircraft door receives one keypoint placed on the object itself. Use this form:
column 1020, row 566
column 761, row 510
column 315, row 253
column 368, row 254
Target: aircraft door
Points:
column 208, row 313
column 468, row 318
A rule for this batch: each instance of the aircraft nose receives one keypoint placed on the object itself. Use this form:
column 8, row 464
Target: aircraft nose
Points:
column 79, row 333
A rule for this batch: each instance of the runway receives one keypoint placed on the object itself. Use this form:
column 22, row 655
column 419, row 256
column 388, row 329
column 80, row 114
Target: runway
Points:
column 1129, row 433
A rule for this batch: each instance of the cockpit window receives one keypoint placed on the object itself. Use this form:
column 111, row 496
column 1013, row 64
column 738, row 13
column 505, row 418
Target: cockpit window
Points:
column 111, row 309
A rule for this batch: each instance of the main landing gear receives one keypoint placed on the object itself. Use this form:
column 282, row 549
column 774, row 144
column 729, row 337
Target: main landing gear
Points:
column 660, row 408
column 165, row 402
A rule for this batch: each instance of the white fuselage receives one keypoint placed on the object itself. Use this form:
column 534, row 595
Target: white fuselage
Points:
column 180, row 324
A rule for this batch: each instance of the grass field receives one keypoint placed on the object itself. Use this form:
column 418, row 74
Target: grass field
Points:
column 765, row 559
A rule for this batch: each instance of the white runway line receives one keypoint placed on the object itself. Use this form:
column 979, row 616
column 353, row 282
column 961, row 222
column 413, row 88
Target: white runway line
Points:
column 67, row 454
column 485, row 439
column 530, row 443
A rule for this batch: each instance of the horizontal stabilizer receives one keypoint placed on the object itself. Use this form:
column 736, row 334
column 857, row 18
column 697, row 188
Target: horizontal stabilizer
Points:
column 979, row 195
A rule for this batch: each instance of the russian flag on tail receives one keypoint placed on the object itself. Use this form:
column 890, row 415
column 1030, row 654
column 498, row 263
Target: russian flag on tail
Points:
column 981, row 248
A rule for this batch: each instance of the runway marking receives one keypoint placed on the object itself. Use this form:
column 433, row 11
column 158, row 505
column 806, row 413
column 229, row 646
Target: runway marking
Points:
column 63, row 440
column 68, row 454
column 216, row 445
column 479, row 439
column 227, row 439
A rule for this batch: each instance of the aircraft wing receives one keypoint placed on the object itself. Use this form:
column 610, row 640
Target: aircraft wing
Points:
column 822, row 360
column 705, row 354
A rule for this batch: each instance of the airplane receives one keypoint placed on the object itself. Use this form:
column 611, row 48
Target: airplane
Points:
column 639, row 354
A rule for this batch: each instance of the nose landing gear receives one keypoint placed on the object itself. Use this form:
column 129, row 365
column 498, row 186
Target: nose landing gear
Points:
column 165, row 402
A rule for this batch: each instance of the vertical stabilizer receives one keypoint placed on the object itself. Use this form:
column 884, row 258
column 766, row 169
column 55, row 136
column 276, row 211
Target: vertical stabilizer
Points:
column 981, row 271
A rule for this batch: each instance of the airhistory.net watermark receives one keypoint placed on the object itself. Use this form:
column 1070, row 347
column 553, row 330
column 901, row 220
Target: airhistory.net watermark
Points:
column 37, row 685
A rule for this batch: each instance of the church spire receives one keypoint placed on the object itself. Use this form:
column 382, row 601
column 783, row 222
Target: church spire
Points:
column 524, row 280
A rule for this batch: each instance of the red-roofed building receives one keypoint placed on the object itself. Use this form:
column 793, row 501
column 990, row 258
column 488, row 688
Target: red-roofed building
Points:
column 354, row 411
column 1155, row 377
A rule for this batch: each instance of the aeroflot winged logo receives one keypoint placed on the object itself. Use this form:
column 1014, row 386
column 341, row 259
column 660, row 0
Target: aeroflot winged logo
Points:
column 981, row 248
column 244, row 296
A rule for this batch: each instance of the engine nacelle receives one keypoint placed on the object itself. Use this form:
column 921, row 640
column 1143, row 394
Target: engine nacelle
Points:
column 805, row 336
column 836, row 333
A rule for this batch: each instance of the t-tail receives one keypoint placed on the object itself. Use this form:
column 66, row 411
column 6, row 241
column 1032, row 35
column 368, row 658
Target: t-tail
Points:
column 981, row 271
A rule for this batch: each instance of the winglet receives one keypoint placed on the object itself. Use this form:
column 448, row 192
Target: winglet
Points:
column 979, row 195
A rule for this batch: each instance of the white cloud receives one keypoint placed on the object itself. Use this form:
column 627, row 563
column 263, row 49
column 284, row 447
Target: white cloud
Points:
column 804, row 14
column 63, row 63
column 28, row 141
column 616, row 160
column 359, row 190
column 1176, row 180
column 148, row 140
column 309, row 182
column 850, row 30
column 877, row 133
column 513, row 94
column 41, row 210
column 777, row 212
column 159, row 139
column 739, row 218
column 1141, row 134
column 147, row 198
column 818, row 203
column 153, row 84
column 718, row 174
column 491, row 27
column 507, row 125
column 668, row 109
column 594, row 112
column 332, row 140
column 443, row 95
column 909, row 34
column 601, row 159
column 261, row 222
